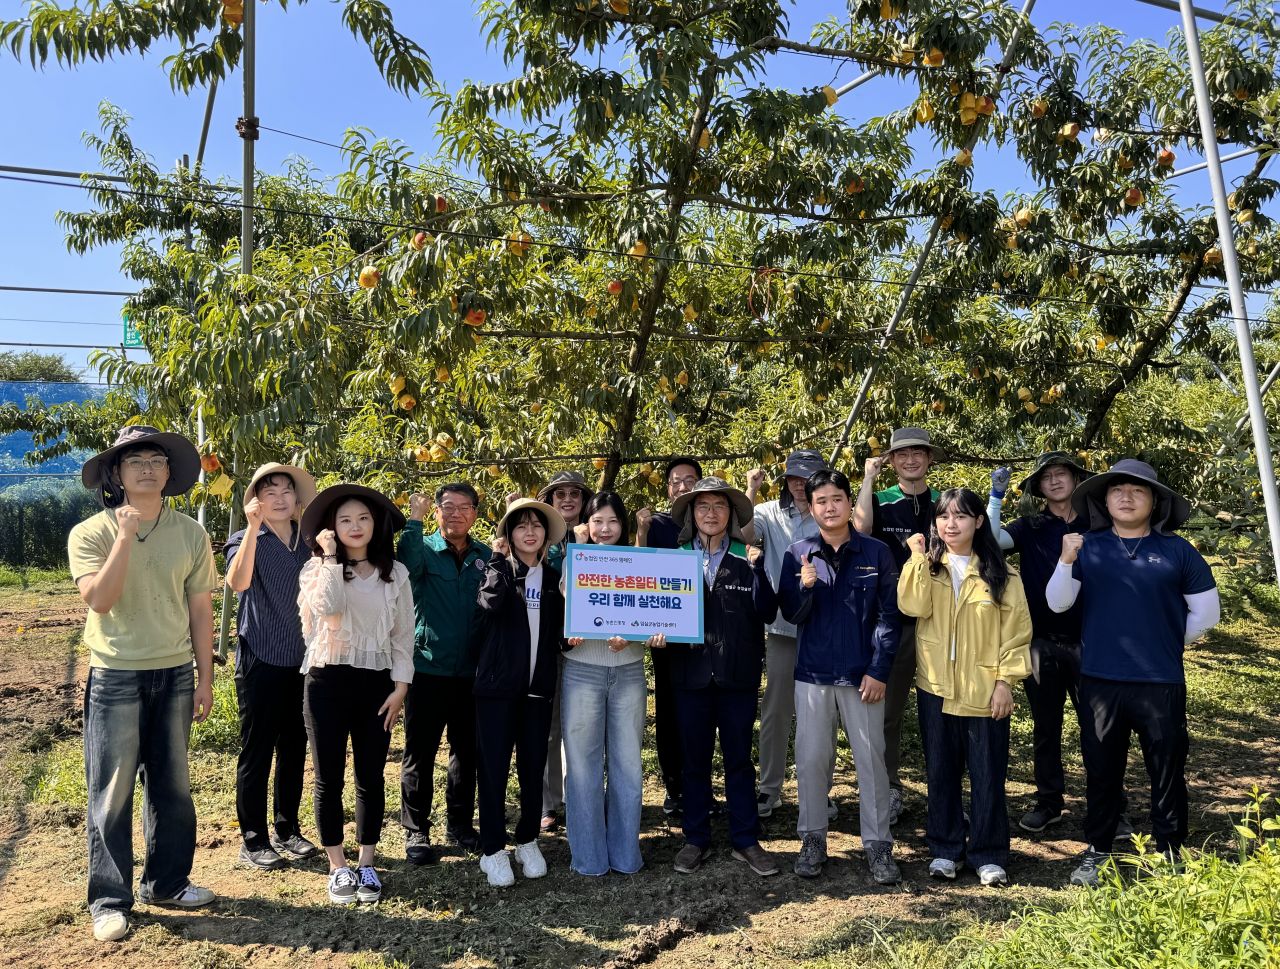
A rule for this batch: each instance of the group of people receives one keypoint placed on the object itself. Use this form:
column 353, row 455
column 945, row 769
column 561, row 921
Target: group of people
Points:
column 838, row 601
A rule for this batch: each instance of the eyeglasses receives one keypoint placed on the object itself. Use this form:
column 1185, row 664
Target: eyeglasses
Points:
column 157, row 463
column 566, row 494
column 450, row 510
column 707, row 508
column 688, row 482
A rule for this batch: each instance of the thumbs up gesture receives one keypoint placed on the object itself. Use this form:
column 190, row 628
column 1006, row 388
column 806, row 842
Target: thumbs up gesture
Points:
column 808, row 572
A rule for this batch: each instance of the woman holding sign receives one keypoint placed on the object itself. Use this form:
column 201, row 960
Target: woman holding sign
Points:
column 716, row 682
column 522, row 631
column 602, row 710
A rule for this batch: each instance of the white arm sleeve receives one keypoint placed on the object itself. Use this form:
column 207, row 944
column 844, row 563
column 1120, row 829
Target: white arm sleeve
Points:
column 1203, row 612
column 1062, row 589
column 1002, row 537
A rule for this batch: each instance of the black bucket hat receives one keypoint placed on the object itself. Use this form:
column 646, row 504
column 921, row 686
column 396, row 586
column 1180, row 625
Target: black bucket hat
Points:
column 803, row 464
column 184, row 459
column 1169, row 510
column 1031, row 484
column 338, row 493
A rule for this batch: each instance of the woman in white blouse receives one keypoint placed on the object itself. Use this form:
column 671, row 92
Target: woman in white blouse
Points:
column 357, row 620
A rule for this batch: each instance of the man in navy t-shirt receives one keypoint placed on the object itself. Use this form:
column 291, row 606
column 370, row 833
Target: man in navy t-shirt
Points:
column 1145, row 593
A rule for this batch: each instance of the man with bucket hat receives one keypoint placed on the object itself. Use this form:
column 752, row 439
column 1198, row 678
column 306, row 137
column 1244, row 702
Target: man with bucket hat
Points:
column 893, row 515
column 716, row 682
column 146, row 572
column 264, row 560
column 1145, row 593
column 779, row 524
column 1055, row 645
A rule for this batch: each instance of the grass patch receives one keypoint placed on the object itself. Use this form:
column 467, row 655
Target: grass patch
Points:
column 25, row 578
column 59, row 778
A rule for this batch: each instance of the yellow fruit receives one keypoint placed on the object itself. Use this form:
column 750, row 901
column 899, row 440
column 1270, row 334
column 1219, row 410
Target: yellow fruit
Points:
column 907, row 56
column 969, row 100
column 620, row 7
column 1011, row 241
column 369, row 277
column 964, row 158
column 887, row 10
column 1233, row 201
column 924, row 111
column 535, row 408
column 397, row 384
column 1023, row 217
column 439, row 453
column 1213, row 257
column 1242, row 94
column 655, row 478
column 1069, row 131
column 442, row 374
column 598, row 463
column 408, row 402
column 444, row 440
column 682, row 378
column 639, row 250
column 824, row 324
column 873, row 442
column 704, row 139
column 690, row 314
column 518, row 243
column 1030, row 407
column 830, row 94
column 935, row 57
column 1024, row 393
column 1003, row 391
column 985, row 106
column 1244, row 216
column 494, row 471
column 1039, row 107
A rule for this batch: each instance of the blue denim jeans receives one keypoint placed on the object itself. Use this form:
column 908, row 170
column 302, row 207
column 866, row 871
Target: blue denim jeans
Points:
column 952, row 744
column 602, row 722
column 137, row 724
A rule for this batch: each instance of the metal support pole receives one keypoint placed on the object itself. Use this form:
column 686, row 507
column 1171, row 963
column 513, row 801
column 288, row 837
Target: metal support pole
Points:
column 858, row 81
column 1203, row 14
column 190, row 244
column 208, row 116
column 248, row 129
column 1231, row 269
column 1242, row 153
column 926, row 250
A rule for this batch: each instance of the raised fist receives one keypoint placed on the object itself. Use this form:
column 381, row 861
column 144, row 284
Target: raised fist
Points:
column 1000, row 481
column 328, row 542
column 873, row 466
column 1072, row 542
column 754, row 554
column 916, row 543
column 755, row 478
column 253, row 513
column 419, row 506
column 128, row 519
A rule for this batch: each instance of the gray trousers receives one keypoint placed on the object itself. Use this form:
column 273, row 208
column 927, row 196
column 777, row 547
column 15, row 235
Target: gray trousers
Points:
column 553, row 776
column 816, row 710
column 897, row 701
column 777, row 710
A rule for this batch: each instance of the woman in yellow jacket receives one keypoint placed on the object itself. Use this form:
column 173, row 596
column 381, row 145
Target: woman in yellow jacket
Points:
column 973, row 640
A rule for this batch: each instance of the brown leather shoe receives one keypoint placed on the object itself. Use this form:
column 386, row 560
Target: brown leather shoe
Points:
column 690, row 858
column 760, row 861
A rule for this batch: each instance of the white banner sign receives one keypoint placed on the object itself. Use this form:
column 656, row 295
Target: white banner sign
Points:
column 611, row 590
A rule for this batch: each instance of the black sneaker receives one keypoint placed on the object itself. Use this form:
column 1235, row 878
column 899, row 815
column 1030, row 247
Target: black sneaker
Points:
column 671, row 806
column 418, row 849
column 342, row 886
column 1039, row 818
column 295, row 846
column 264, row 859
column 468, row 839
column 1124, row 828
column 369, row 886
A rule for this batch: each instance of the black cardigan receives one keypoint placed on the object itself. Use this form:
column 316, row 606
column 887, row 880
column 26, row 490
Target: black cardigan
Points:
column 501, row 642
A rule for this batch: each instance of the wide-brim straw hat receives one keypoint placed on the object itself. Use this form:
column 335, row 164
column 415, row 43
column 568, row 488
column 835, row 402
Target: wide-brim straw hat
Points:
column 556, row 527
column 304, row 485
column 336, row 494
column 184, row 459
column 1169, row 509
column 741, row 506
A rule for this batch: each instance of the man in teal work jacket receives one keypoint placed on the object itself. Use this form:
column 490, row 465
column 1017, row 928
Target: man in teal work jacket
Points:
column 445, row 569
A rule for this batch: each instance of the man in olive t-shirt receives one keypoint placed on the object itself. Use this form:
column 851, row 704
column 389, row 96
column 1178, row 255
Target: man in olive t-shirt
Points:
column 146, row 572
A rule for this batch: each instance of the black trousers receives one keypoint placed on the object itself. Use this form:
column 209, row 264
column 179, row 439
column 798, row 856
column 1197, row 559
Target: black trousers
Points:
column 522, row 724
column 666, row 724
column 271, row 725
column 1157, row 712
column 436, row 704
column 731, row 714
column 341, row 702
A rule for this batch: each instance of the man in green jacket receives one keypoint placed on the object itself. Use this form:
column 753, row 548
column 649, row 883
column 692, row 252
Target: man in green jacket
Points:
column 445, row 569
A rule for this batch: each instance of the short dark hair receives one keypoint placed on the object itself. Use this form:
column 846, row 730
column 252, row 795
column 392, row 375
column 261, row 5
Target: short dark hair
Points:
column 275, row 477
column 111, row 489
column 827, row 476
column 677, row 461
column 458, row 488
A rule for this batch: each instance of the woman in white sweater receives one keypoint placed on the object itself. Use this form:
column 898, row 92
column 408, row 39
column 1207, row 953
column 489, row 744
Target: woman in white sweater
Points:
column 602, row 708
column 357, row 620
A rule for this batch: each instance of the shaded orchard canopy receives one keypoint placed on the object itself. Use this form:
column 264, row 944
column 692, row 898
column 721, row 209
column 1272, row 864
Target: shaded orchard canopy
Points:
column 634, row 245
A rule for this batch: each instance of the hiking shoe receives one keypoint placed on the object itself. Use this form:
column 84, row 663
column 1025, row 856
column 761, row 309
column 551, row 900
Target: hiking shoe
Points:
column 671, row 806
column 1039, row 818
column 895, row 805
column 369, row 886
column 884, row 870
column 193, row 896
column 1124, row 828
column 765, row 803
column 110, row 926
column 295, row 846
column 813, row 854
column 718, row 809
column 468, row 839
column 690, row 858
column 265, row 859
column 992, row 875
column 532, row 864
column 1086, row 873
column 497, row 867
column 418, row 848
column 550, row 822
column 757, row 859
column 343, row 886
column 833, row 810
column 941, row 868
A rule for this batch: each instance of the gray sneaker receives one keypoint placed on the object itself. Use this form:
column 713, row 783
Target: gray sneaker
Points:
column 813, row 854
column 1124, row 828
column 895, row 805
column 880, row 861
column 1086, row 872
column 343, row 885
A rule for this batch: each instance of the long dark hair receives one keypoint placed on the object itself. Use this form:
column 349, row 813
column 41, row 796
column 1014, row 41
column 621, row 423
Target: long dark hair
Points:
column 991, row 564
column 508, row 530
column 613, row 501
column 381, row 551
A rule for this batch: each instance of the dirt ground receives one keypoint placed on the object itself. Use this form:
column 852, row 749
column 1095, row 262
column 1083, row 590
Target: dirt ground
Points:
column 446, row 915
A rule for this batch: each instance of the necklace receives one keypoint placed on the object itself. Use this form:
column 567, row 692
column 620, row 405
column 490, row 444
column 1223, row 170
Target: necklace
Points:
column 356, row 561
column 143, row 538
column 1124, row 544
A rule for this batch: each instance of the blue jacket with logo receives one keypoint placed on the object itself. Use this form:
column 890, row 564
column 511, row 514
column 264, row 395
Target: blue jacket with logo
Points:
column 848, row 623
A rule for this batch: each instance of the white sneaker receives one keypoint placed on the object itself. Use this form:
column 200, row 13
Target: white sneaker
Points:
column 943, row 868
column 111, row 926
column 992, row 875
column 532, row 864
column 498, row 867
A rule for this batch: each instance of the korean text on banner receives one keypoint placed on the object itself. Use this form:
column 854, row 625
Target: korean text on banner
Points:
column 612, row 590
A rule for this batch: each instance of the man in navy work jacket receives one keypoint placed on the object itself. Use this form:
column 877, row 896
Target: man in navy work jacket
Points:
column 1146, row 593
column 840, row 590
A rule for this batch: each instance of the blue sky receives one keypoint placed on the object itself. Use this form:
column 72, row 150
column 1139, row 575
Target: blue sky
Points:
column 316, row 80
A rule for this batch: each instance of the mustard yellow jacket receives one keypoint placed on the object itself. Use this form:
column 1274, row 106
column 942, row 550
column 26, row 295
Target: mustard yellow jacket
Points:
column 965, row 644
